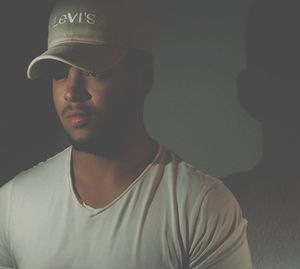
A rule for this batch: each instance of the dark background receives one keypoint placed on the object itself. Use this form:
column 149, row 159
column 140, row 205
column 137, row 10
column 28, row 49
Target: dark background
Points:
column 226, row 98
column 28, row 125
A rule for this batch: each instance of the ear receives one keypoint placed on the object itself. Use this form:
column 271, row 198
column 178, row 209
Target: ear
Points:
column 143, row 78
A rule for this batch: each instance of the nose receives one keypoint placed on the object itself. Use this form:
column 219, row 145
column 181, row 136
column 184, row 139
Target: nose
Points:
column 75, row 88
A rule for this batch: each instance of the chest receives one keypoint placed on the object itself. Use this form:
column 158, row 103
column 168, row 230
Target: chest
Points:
column 99, row 195
column 124, row 236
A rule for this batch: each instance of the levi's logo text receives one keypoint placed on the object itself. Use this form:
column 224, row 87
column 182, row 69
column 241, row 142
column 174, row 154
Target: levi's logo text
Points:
column 75, row 17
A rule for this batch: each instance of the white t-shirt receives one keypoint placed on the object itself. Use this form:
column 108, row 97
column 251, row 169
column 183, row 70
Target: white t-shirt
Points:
column 172, row 216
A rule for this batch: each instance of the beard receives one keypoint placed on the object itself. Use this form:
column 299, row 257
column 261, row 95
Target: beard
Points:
column 103, row 144
column 108, row 138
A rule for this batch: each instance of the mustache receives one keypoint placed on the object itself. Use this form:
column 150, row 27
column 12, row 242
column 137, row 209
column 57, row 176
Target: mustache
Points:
column 81, row 108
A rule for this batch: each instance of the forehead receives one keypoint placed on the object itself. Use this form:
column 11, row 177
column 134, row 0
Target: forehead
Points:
column 57, row 66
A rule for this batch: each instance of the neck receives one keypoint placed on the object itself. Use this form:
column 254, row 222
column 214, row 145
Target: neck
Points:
column 126, row 160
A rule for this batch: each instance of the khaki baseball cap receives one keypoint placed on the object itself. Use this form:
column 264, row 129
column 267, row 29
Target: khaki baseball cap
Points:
column 93, row 35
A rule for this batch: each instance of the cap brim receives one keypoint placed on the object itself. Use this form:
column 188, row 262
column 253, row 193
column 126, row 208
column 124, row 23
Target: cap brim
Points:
column 83, row 56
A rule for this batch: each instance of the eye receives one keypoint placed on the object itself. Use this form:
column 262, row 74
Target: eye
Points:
column 58, row 71
column 98, row 75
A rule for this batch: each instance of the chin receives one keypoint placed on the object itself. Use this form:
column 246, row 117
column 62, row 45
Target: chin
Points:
column 81, row 134
column 80, row 139
column 107, row 146
column 82, row 143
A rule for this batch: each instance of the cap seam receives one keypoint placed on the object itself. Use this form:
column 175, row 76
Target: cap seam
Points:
column 89, row 42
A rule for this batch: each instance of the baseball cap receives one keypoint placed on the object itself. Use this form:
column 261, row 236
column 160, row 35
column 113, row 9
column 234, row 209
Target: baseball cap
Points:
column 93, row 35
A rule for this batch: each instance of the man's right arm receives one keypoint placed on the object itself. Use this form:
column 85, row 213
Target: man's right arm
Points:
column 6, row 261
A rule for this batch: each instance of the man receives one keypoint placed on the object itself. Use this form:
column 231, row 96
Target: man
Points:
column 116, row 198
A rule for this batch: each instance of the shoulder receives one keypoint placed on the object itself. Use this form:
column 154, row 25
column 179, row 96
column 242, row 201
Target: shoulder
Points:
column 199, row 198
column 190, row 183
column 44, row 170
column 33, row 190
column 209, row 217
column 38, row 178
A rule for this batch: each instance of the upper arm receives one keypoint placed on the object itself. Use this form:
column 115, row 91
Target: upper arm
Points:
column 219, row 238
column 5, row 255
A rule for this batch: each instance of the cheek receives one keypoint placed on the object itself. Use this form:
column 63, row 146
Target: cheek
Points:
column 101, row 96
column 56, row 100
column 109, row 95
column 98, row 100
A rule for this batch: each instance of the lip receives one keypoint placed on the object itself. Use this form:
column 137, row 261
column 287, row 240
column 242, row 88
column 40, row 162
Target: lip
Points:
column 77, row 118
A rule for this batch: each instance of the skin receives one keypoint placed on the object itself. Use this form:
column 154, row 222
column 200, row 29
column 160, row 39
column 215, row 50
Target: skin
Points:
column 103, row 117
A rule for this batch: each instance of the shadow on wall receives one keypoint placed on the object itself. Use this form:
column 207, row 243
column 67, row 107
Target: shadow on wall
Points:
column 28, row 122
column 269, row 89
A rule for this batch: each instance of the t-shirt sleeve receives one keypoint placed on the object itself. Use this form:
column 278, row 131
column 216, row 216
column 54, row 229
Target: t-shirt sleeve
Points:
column 5, row 256
column 219, row 239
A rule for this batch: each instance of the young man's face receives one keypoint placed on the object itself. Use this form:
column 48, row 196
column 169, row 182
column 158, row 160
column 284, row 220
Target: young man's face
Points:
column 95, row 107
